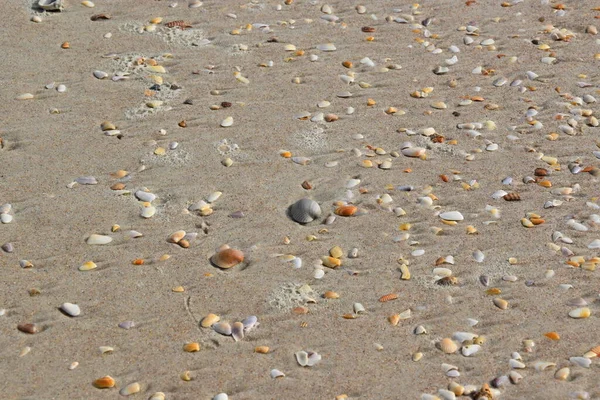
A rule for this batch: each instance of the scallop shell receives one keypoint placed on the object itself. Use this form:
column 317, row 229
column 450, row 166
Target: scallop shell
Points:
column 448, row 346
column 237, row 331
column 305, row 210
column 223, row 328
column 346, row 211
column 227, row 258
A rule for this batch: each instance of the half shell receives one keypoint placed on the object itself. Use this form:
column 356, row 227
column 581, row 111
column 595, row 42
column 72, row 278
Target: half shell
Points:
column 227, row 258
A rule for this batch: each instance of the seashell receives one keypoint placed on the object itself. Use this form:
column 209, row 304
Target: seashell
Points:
column 499, row 194
column 98, row 239
column 326, row 47
column 161, row 396
column 51, row 5
column 448, row 346
column 336, row 252
column 72, row 310
column 104, row 383
column 145, row 196
column 195, row 4
column 130, row 389
column 515, row 364
column 442, row 272
column 261, row 349
column 222, row 328
column 220, row 396
column 331, row 295
column 501, row 303
column 461, row 337
column 302, row 358
column 578, row 313
column 405, row 272
column 209, row 320
column 8, row 247
column 581, row 361
column 319, row 273
column 305, row 210
column 87, row 266
column 250, row 322
column 191, row 347
column 159, row 69
column 552, row 335
column 394, row 319
column 126, row 324
column 176, row 237
column 87, row 3
column 86, row 180
column 469, row 350
column 562, row 374
column 275, row 373
column 417, row 356
column 578, row 302
column 451, row 216
column 100, row 74
column 25, row 96
column 446, row 394
column 237, row 331
column 388, row 297
column 331, row 262
column 478, row 256
column 515, row 377
column 25, row 264
column 512, row 197
column 227, row 258
column 595, row 244
column 346, row 211
column 413, row 152
column 543, row 365
column 420, row 330
column 148, row 212
column 227, row 122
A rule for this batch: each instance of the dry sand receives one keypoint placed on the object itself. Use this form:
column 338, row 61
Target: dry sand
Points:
column 44, row 151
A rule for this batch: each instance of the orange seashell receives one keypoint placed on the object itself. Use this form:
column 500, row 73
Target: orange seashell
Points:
column 444, row 178
column 346, row 211
column 261, row 349
column 448, row 346
column 286, row 154
column 104, row 383
column 331, row 295
column 388, row 297
column 394, row 319
column 191, row 347
column 227, row 258
column 300, row 310
column 493, row 291
column 65, row 45
column 138, row 261
column 537, row 221
column 184, row 243
column 347, row 64
column 596, row 350
column 407, row 170
column 512, row 197
column 182, row 124
column 552, row 335
column 349, row 316
column 118, row 186
column 477, row 98
column 545, row 183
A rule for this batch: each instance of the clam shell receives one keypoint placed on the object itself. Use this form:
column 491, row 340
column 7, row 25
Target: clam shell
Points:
column 161, row 396
column 100, row 74
column 130, row 389
column 562, row 374
column 501, row 303
column 452, row 216
column 313, row 358
column 237, row 331
column 175, row 237
column 326, row 47
column 582, row 312
column 209, row 320
column 461, row 337
column 478, row 256
column 223, row 328
column 448, row 346
column 88, row 265
column 227, row 258
column 227, row 122
column 221, row 396
column 105, row 382
column 346, row 211
column 470, row 349
column 98, row 239
column 302, row 358
column 413, row 151
column 6, row 218
column 581, row 361
column 148, row 212
column 305, row 210
column 515, row 364
column 542, row 365
column 145, row 196
column 72, row 310
column 51, row 5
column 250, row 322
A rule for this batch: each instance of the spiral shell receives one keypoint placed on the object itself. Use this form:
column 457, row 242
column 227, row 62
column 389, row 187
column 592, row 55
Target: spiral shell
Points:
column 305, row 210
column 227, row 258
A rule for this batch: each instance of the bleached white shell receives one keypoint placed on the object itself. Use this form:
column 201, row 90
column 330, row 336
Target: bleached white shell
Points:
column 221, row 396
column 359, row 308
column 595, row 244
column 71, row 309
column 413, row 151
column 148, row 212
column 542, row 365
column 6, row 218
column 319, row 273
column 145, row 196
column 275, row 373
column 516, row 364
column 326, row 47
column 442, row 272
column 250, row 322
column 100, row 74
column 98, row 239
column 498, row 194
column 581, row 361
column 214, row 196
column 313, row 358
column 463, row 336
column 446, row 394
column 227, row 122
column 302, row 358
column 470, row 349
column 51, row 5
column 478, row 256
column 452, row 216
column 305, row 210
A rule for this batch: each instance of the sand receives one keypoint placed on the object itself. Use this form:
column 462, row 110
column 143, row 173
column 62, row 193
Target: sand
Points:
column 55, row 138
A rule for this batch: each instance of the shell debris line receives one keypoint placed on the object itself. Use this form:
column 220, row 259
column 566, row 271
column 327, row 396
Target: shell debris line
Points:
column 241, row 198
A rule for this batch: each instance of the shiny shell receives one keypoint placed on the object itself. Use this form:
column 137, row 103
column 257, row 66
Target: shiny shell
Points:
column 191, row 347
column 451, row 216
column 501, row 303
column 305, row 210
column 72, row 310
column 346, row 211
column 261, row 349
column 105, row 382
column 98, row 239
column 237, row 331
column 223, row 328
column 227, row 258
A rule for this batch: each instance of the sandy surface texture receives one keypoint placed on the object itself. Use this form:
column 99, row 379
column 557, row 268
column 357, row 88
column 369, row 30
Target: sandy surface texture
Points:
column 448, row 152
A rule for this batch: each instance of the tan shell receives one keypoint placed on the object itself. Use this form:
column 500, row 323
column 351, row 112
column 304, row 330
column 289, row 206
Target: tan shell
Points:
column 261, row 349
column 331, row 295
column 448, row 346
column 501, row 303
column 191, row 347
column 104, row 383
column 175, row 237
column 227, row 258
column 388, row 297
column 209, row 320
column 394, row 319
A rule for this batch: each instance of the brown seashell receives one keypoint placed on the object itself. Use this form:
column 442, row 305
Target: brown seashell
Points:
column 444, row 178
column 331, row 295
column 28, row 328
column 493, row 291
column 540, row 172
column 261, row 349
column 367, row 29
column 512, row 197
column 331, row 117
column 545, row 183
column 347, row 64
column 98, row 17
column 178, row 24
column 118, row 186
column 447, row 281
column 537, row 221
column 388, row 297
column 183, row 243
column 346, row 211
column 501, row 303
column 182, row 124
column 300, row 310
column 138, row 261
column 596, row 350
column 448, row 346
column 306, row 185
column 227, row 258
column 552, row 335
column 226, row 104
column 65, row 45
column 191, row 347
column 104, row 383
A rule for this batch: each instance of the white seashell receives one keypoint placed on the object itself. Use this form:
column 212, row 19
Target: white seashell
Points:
column 425, row 201
column 301, row 160
column 98, row 239
column 86, row 180
column 581, row 361
column 442, row 272
column 515, row 377
column 326, row 47
column 542, row 365
column 214, row 196
column 70, row 309
column 352, row 183
column 516, row 364
column 6, row 218
column 498, row 194
column 463, row 336
column 577, row 225
column 319, row 273
column 516, row 356
column 595, row 244
column 413, row 151
column 130, row 389
column 5, row 208
column 451, row 216
column 100, row 74
column 61, row 88
column 417, row 253
column 297, row 263
column 446, row 394
column 305, row 210
column 148, row 212
column 87, row 3
column 478, row 256
column 470, row 350
column 302, row 358
column 134, row 234
column 51, row 5
column 472, row 321
column 195, row 4
column 237, row 331
column 227, row 122
column 275, row 373
column 358, row 308
column 223, row 328
column 250, row 322
column 562, row 374
column 318, row 117
column 220, row 396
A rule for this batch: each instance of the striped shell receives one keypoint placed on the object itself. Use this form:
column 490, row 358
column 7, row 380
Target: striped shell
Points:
column 511, row 197
column 305, row 210
column 388, row 297
column 178, row 24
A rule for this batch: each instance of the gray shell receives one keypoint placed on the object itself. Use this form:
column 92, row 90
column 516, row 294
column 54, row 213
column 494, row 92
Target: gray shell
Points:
column 223, row 328
column 305, row 210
